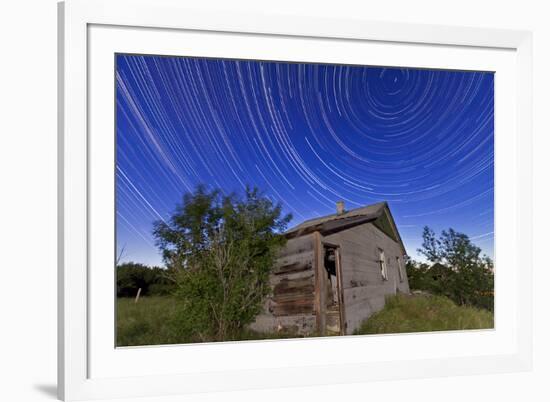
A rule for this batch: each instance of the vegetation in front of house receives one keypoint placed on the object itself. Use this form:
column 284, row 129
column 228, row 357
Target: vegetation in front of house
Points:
column 219, row 250
column 153, row 320
column 455, row 269
column 422, row 313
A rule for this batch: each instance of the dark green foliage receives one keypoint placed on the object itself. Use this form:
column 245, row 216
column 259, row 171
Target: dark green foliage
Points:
column 153, row 281
column 456, row 271
column 417, row 273
column 220, row 249
column 403, row 313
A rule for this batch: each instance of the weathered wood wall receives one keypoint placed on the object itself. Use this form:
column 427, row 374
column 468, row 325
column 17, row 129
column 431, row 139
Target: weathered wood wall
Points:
column 291, row 307
column 363, row 286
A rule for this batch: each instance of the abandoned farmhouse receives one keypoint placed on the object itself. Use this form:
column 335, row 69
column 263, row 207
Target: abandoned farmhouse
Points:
column 334, row 272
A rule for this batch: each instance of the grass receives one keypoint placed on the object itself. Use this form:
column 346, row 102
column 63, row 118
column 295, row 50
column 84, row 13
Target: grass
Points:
column 149, row 321
column 146, row 322
column 422, row 313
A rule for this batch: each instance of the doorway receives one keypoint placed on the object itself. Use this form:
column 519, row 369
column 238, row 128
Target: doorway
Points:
column 332, row 289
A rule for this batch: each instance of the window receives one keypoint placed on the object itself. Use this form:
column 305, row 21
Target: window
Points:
column 383, row 266
column 400, row 269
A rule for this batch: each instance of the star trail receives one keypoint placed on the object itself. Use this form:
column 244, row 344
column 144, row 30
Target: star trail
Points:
column 307, row 135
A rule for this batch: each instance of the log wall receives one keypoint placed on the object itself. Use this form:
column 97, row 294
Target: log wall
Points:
column 291, row 306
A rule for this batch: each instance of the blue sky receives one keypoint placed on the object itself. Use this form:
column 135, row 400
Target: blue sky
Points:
column 307, row 135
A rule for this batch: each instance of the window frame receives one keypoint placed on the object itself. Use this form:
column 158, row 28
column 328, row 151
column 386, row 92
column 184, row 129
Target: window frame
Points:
column 383, row 264
column 400, row 270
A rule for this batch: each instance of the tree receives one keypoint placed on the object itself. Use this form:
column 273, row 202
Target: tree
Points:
column 132, row 276
column 430, row 245
column 220, row 249
column 457, row 270
column 452, row 248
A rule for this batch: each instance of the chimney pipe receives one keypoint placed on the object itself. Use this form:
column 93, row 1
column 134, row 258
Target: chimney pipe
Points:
column 339, row 207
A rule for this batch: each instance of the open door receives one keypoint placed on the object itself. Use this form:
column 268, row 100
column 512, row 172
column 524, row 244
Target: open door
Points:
column 334, row 301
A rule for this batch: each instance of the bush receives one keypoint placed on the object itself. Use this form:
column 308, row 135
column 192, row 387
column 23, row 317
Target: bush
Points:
column 221, row 250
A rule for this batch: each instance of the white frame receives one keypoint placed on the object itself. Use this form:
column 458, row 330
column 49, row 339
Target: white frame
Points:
column 75, row 17
column 107, row 362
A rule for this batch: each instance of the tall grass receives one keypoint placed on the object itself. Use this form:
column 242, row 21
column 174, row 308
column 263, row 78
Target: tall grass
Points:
column 147, row 322
column 421, row 313
column 152, row 321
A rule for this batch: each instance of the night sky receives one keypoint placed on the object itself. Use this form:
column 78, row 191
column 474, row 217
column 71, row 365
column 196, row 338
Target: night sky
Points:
column 307, row 135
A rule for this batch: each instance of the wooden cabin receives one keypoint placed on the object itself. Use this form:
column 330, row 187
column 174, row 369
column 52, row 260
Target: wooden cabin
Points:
column 335, row 272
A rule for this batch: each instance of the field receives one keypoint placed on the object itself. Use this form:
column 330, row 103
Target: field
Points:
column 146, row 322
column 149, row 321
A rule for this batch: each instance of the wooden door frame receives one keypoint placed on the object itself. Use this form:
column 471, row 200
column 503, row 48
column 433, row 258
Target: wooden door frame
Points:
column 340, row 286
column 339, row 282
column 320, row 309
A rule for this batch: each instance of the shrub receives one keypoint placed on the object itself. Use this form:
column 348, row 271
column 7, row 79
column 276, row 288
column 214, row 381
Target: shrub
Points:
column 221, row 250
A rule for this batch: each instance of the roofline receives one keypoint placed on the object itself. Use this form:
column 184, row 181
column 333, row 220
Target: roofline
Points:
column 392, row 222
column 337, row 225
column 385, row 203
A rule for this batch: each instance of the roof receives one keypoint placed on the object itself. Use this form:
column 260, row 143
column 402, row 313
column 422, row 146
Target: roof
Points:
column 369, row 211
column 334, row 223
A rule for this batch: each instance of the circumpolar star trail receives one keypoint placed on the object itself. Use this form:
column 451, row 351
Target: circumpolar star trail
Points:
column 307, row 135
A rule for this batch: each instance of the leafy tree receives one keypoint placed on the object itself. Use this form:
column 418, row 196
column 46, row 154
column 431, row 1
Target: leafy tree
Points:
column 220, row 249
column 430, row 245
column 452, row 248
column 457, row 270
